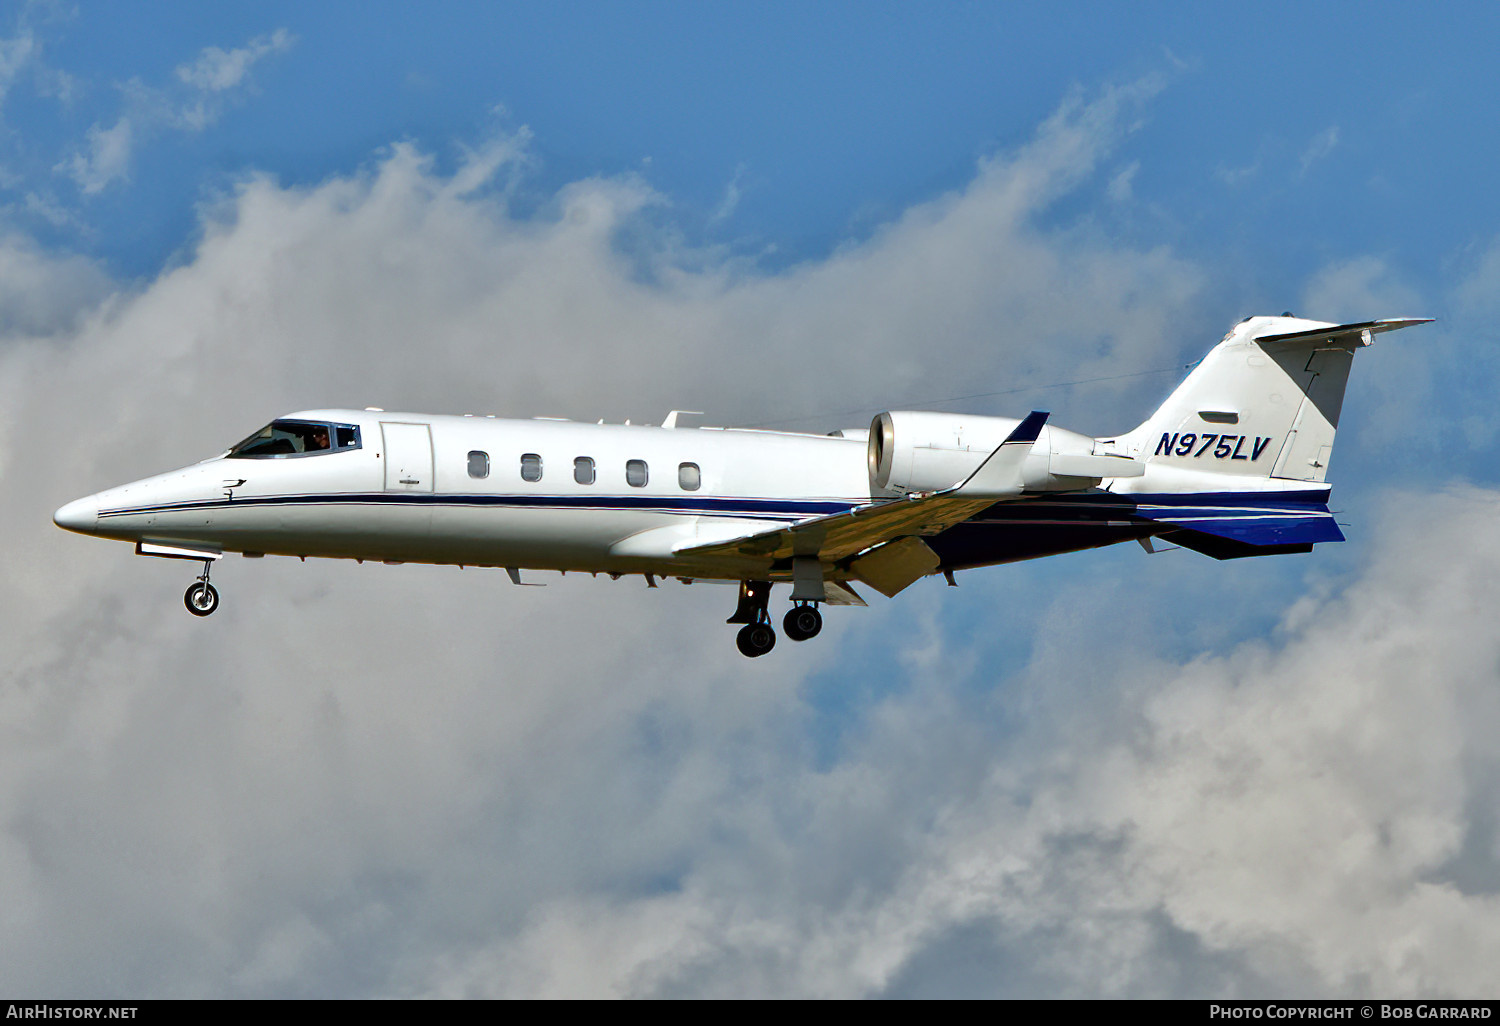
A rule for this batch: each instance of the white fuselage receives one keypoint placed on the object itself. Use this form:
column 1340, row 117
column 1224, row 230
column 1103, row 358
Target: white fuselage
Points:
column 412, row 492
column 1233, row 464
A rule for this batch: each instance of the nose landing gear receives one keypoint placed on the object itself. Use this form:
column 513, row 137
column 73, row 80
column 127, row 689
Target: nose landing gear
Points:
column 201, row 597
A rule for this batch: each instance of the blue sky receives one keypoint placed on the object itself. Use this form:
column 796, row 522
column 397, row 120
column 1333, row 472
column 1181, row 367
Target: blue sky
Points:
column 1104, row 774
column 1304, row 133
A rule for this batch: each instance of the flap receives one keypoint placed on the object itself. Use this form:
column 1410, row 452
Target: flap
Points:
column 895, row 565
column 841, row 593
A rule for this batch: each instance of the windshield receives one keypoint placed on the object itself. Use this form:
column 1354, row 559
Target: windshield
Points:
column 296, row 438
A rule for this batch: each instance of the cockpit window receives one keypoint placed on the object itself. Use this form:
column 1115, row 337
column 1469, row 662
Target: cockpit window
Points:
column 296, row 438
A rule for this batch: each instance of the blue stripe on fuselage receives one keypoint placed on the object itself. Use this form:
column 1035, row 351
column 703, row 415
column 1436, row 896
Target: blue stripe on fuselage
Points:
column 787, row 509
column 1003, row 532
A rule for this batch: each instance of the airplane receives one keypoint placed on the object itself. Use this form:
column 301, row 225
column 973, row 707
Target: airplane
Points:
column 1233, row 464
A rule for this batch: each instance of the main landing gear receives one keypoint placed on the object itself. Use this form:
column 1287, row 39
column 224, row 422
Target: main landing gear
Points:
column 802, row 621
column 201, row 597
column 757, row 637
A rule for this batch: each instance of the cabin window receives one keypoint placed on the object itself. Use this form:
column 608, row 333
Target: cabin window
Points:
column 689, row 477
column 636, row 474
column 282, row 438
column 583, row 470
column 531, row 467
column 479, row 464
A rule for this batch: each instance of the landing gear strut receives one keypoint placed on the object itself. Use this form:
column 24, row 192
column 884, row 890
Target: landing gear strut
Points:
column 757, row 637
column 201, row 597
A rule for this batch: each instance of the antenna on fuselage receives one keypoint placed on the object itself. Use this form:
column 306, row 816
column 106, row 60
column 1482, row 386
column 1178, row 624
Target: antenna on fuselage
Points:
column 671, row 421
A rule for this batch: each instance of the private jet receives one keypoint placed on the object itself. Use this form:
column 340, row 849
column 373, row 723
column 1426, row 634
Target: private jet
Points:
column 1233, row 464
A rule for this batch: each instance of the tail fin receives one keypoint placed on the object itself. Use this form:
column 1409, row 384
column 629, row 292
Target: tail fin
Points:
column 1263, row 403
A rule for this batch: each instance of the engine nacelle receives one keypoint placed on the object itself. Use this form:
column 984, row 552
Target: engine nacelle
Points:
column 927, row 452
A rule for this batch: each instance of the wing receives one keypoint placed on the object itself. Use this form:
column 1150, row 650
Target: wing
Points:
column 897, row 526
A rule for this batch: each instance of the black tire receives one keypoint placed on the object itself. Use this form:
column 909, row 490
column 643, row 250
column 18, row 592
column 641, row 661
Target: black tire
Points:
column 201, row 599
column 755, row 639
column 802, row 622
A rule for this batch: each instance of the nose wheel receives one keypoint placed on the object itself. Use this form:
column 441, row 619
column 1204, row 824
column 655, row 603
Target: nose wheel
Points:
column 201, row 598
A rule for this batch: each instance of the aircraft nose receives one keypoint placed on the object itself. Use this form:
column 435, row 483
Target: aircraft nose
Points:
column 79, row 515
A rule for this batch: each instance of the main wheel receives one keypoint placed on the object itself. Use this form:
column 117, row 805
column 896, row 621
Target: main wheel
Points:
column 802, row 622
column 201, row 599
column 755, row 639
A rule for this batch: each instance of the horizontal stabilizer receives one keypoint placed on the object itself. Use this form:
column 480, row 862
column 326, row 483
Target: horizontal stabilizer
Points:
column 1359, row 334
column 1271, row 531
column 1227, row 548
column 1267, row 525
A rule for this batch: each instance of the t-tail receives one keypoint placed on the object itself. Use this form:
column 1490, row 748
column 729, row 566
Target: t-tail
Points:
column 1238, row 455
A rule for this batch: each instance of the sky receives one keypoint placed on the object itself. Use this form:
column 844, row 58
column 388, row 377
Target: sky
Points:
column 1104, row 774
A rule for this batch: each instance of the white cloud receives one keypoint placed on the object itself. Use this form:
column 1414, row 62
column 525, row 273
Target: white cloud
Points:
column 1233, row 176
column 1439, row 375
column 1121, row 186
column 1277, row 153
column 376, row 780
column 59, row 84
column 216, row 69
column 1319, row 148
column 21, row 56
column 1468, row 354
column 1398, row 373
column 196, row 103
column 46, row 207
column 42, row 294
column 1358, row 290
column 15, row 54
column 210, row 78
column 1297, row 814
column 1477, row 294
column 105, row 160
column 730, row 202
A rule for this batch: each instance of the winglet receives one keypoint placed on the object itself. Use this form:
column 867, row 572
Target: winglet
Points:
column 1000, row 474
